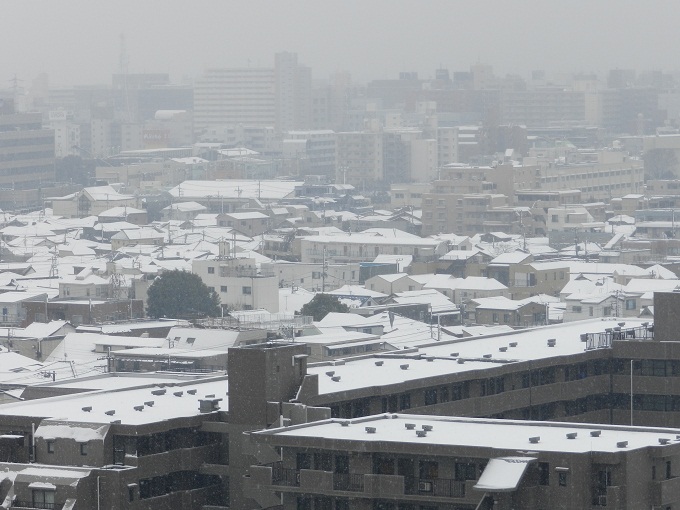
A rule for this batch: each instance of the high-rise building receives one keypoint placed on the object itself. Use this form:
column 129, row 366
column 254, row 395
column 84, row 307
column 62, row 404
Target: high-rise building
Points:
column 255, row 96
column 26, row 149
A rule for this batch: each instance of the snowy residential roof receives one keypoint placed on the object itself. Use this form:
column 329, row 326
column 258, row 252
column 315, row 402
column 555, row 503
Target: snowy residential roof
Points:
column 235, row 188
column 530, row 344
column 451, row 433
column 106, row 406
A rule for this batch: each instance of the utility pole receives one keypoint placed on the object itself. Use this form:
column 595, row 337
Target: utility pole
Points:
column 323, row 271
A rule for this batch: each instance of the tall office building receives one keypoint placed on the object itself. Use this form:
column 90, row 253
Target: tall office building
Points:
column 26, row 149
column 277, row 97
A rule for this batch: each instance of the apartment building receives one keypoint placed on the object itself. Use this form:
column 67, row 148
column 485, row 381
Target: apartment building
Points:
column 600, row 175
column 239, row 283
column 315, row 150
column 540, row 107
column 147, row 446
column 460, row 213
column 406, row 461
column 235, row 96
column 278, row 97
column 359, row 157
column 365, row 248
column 26, row 150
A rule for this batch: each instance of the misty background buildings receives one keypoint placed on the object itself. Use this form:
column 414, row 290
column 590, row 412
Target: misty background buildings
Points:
column 438, row 241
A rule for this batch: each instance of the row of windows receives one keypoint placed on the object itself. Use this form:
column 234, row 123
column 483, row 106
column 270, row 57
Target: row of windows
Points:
column 22, row 156
column 540, row 377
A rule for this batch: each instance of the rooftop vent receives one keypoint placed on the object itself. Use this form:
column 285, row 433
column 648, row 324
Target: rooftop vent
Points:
column 513, row 344
column 114, row 422
column 534, row 439
column 430, row 358
column 330, row 373
column 138, row 408
column 455, row 354
column 191, row 392
column 379, row 363
column 461, row 361
column 664, row 440
column 87, row 409
column 584, row 337
column 370, row 430
column 552, row 342
column 158, row 392
column 621, row 324
column 595, row 433
column 210, row 396
column 208, row 406
column 410, row 426
column 149, row 403
column 335, row 378
column 421, row 433
column 178, row 393
column 345, row 423
column 427, row 427
column 502, row 349
column 487, row 356
column 622, row 444
column 110, row 413
column 404, row 367
column 572, row 435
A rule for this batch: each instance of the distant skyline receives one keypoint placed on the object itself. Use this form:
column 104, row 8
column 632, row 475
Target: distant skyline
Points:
column 78, row 41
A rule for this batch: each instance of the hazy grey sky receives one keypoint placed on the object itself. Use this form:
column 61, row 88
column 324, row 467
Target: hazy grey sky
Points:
column 78, row 41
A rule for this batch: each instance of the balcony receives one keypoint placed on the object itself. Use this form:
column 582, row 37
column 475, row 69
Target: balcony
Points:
column 438, row 487
column 348, row 482
column 665, row 492
column 30, row 504
column 285, row 476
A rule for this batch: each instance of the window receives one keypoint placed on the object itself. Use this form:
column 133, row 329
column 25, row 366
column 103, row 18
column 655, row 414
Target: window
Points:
column 83, row 448
column 630, row 304
column 405, row 401
column 247, row 290
column 562, row 478
column 465, row 471
column 50, row 446
column 211, row 289
column 590, row 311
column 191, row 340
column 211, row 270
column 576, row 309
column 43, row 499
column 430, row 397
column 543, row 473
column 223, row 288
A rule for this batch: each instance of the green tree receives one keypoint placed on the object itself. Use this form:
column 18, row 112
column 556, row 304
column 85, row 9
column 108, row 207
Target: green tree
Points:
column 74, row 169
column 660, row 164
column 321, row 305
column 180, row 294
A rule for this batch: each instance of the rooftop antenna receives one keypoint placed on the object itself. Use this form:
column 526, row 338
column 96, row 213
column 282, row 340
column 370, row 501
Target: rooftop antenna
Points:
column 54, row 266
column 123, row 63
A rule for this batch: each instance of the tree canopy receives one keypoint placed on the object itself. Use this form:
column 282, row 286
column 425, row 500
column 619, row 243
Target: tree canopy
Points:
column 321, row 305
column 180, row 294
